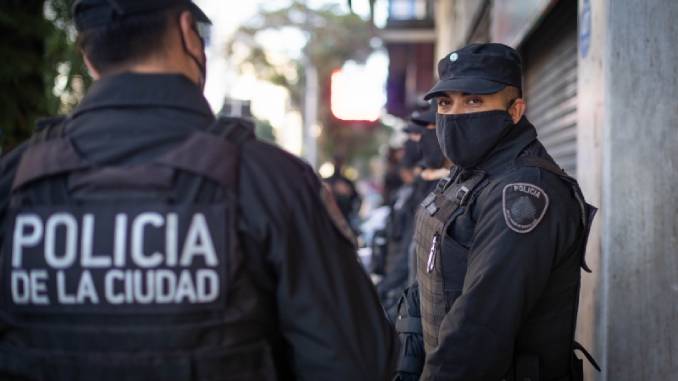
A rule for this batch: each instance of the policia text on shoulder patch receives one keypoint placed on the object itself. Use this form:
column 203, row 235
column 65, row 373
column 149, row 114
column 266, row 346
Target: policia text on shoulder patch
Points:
column 524, row 206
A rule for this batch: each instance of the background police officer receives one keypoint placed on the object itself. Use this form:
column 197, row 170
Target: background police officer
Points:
column 142, row 240
column 501, row 240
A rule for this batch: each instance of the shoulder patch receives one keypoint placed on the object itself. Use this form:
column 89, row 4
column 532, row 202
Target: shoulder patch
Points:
column 524, row 206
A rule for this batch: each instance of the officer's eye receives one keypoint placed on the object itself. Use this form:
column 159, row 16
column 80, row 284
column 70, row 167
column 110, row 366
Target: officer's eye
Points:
column 442, row 102
column 474, row 101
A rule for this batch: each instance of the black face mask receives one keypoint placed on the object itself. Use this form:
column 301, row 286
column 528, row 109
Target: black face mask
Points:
column 412, row 153
column 433, row 156
column 466, row 139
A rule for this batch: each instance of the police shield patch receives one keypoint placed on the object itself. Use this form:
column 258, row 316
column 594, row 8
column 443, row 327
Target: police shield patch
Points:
column 524, row 206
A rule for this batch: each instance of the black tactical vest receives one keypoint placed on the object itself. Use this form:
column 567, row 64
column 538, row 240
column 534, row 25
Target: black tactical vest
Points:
column 129, row 272
column 441, row 278
column 437, row 290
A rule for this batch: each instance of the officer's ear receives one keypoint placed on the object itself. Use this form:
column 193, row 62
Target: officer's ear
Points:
column 93, row 72
column 189, row 35
column 516, row 109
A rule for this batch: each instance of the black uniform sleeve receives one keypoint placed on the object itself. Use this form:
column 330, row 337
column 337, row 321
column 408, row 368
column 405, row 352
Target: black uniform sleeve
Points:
column 329, row 314
column 507, row 272
column 408, row 326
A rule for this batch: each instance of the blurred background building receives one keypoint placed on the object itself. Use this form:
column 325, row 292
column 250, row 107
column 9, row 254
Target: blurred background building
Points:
column 409, row 37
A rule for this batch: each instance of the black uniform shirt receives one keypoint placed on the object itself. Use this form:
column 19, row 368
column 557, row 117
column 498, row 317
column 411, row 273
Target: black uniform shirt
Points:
column 508, row 283
column 328, row 314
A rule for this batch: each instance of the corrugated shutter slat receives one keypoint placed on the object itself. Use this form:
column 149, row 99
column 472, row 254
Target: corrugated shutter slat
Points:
column 550, row 87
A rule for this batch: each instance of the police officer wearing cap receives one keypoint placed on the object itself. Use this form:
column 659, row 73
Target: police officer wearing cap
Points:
column 501, row 240
column 434, row 165
column 144, row 240
column 400, row 224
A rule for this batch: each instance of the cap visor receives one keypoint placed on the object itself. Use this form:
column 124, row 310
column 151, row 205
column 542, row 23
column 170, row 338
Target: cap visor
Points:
column 465, row 85
column 425, row 117
column 199, row 14
column 413, row 129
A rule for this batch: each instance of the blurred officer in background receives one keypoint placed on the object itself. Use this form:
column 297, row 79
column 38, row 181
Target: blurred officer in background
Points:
column 400, row 226
column 434, row 164
column 143, row 240
column 345, row 193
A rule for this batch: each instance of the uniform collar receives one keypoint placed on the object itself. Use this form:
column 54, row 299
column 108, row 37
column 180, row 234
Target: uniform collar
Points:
column 144, row 90
column 510, row 147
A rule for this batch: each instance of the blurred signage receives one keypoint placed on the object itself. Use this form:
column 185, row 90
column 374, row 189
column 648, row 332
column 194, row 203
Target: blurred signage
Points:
column 407, row 9
column 514, row 19
column 585, row 29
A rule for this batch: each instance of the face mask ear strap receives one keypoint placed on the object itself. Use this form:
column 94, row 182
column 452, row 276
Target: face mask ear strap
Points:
column 201, row 66
column 511, row 103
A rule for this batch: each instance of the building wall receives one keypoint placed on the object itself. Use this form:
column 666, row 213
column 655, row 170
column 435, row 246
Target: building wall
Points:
column 592, row 114
column 455, row 23
column 640, row 196
column 410, row 76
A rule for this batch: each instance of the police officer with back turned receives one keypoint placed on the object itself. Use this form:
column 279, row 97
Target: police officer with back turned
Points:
column 141, row 239
column 501, row 240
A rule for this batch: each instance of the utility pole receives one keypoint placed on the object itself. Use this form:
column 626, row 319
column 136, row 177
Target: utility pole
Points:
column 310, row 143
column 310, row 113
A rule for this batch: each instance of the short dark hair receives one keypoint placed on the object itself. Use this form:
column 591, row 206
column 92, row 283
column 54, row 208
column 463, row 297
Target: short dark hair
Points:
column 511, row 93
column 128, row 39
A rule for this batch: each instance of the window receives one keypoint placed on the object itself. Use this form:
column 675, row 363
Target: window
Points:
column 408, row 9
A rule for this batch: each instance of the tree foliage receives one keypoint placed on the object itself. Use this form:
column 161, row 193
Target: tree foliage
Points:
column 41, row 73
column 333, row 37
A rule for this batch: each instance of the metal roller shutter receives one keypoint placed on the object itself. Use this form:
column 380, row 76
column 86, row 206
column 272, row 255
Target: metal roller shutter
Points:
column 550, row 87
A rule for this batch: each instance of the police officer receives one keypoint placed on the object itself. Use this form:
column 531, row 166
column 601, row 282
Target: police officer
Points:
column 400, row 226
column 143, row 240
column 434, row 165
column 345, row 193
column 501, row 240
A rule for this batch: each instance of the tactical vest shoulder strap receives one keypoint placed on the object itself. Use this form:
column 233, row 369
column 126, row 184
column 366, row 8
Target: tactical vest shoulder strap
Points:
column 535, row 161
column 203, row 155
column 475, row 179
column 49, row 153
column 49, row 128
column 442, row 202
column 539, row 162
column 236, row 130
column 216, row 159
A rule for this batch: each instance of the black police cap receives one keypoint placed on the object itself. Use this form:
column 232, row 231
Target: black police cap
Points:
column 424, row 117
column 478, row 69
column 96, row 13
column 412, row 128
